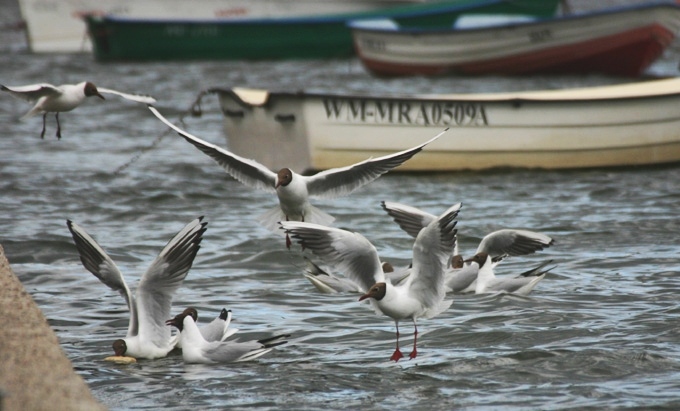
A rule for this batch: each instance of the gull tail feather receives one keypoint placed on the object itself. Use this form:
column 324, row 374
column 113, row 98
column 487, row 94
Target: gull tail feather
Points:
column 270, row 219
column 443, row 306
column 317, row 216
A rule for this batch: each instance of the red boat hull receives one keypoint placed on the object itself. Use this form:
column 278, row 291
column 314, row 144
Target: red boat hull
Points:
column 624, row 54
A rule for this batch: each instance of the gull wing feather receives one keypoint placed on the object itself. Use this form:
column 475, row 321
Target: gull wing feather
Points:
column 225, row 352
column 342, row 181
column 326, row 282
column 246, row 171
column 32, row 92
column 96, row 261
column 508, row 242
column 217, row 328
column 518, row 285
column 409, row 219
column 348, row 252
column 139, row 98
column 538, row 270
column 163, row 278
column 431, row 253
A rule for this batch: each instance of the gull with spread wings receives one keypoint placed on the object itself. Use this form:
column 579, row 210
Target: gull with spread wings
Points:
column 47, row 98
column 498, row 245
column 147, row 335
column 420, row 296
column 293, row 189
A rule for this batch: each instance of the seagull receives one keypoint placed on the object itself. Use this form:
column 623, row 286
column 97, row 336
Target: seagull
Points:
column 147, row 335
column 422, row 295
column 293, row 190
column 195, row 348
column 498, row 244
column 487, row 282
column 57, row 99
column 215, row 330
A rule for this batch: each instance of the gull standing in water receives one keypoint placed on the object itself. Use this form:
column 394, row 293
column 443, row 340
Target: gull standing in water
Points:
column 147, row 335
column 420, row 296
column 56, row 99
column 293, row 190
column 498, row 244
column 195, row 348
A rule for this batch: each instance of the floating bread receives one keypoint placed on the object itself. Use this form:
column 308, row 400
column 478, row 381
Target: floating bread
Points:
column 119, row 359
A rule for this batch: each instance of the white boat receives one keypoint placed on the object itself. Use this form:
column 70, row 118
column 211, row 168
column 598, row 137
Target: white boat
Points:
column 58, row 26
column 622, row 41
column 617, row 125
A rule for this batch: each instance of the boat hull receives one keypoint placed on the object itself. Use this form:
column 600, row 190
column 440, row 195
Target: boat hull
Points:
column 57, row 25
column 621, row 42
column 325, row 36
column 612, row 126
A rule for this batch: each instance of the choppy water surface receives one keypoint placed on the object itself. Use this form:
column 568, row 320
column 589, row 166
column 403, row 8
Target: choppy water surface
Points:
column 600, row 332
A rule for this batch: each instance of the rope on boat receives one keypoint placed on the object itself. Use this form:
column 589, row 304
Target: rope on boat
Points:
column 194, row 110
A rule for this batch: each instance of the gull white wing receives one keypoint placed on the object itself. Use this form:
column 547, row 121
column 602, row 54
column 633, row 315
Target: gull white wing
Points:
column 342, row 181
column 233, row 351
column 160, row 282
column 139, row 98
column 461, row 279
column 32, row 92
column 96, row 261
column 246, row 171
column 348, row 252
column 409, row 219
column 197, row 350
column 218, row 329
column 509, row 242
column 431, row 254
column 327, row 283
column 524, row 283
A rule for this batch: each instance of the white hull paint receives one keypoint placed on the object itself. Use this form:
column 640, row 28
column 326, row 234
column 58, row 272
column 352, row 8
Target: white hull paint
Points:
column 621, row 125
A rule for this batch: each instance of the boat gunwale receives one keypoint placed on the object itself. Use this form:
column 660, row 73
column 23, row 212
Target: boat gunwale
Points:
column 574, row 95
column 360, row 26
column 405, row 11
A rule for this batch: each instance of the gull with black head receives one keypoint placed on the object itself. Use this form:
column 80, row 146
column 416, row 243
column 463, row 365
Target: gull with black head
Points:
column 420, row 296
column 196, row 349
column 47, row 98
column 147, row 335
column 292, row 189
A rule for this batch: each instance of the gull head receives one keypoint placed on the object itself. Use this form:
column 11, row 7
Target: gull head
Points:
column 91, row 90
column 376, row 291
column 283, row 177
column 457, row 261
column 119, row 347
column 479, row 258
column 178, row 321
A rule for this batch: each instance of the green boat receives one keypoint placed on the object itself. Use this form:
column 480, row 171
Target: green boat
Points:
column 326, row 36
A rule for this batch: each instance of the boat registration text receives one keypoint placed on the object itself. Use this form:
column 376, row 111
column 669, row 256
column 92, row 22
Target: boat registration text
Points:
column 427, row 113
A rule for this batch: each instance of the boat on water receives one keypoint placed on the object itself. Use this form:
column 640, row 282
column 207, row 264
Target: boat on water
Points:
column 606, row 126
column 58, row 26
column 276, row 37
column 621, row 41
